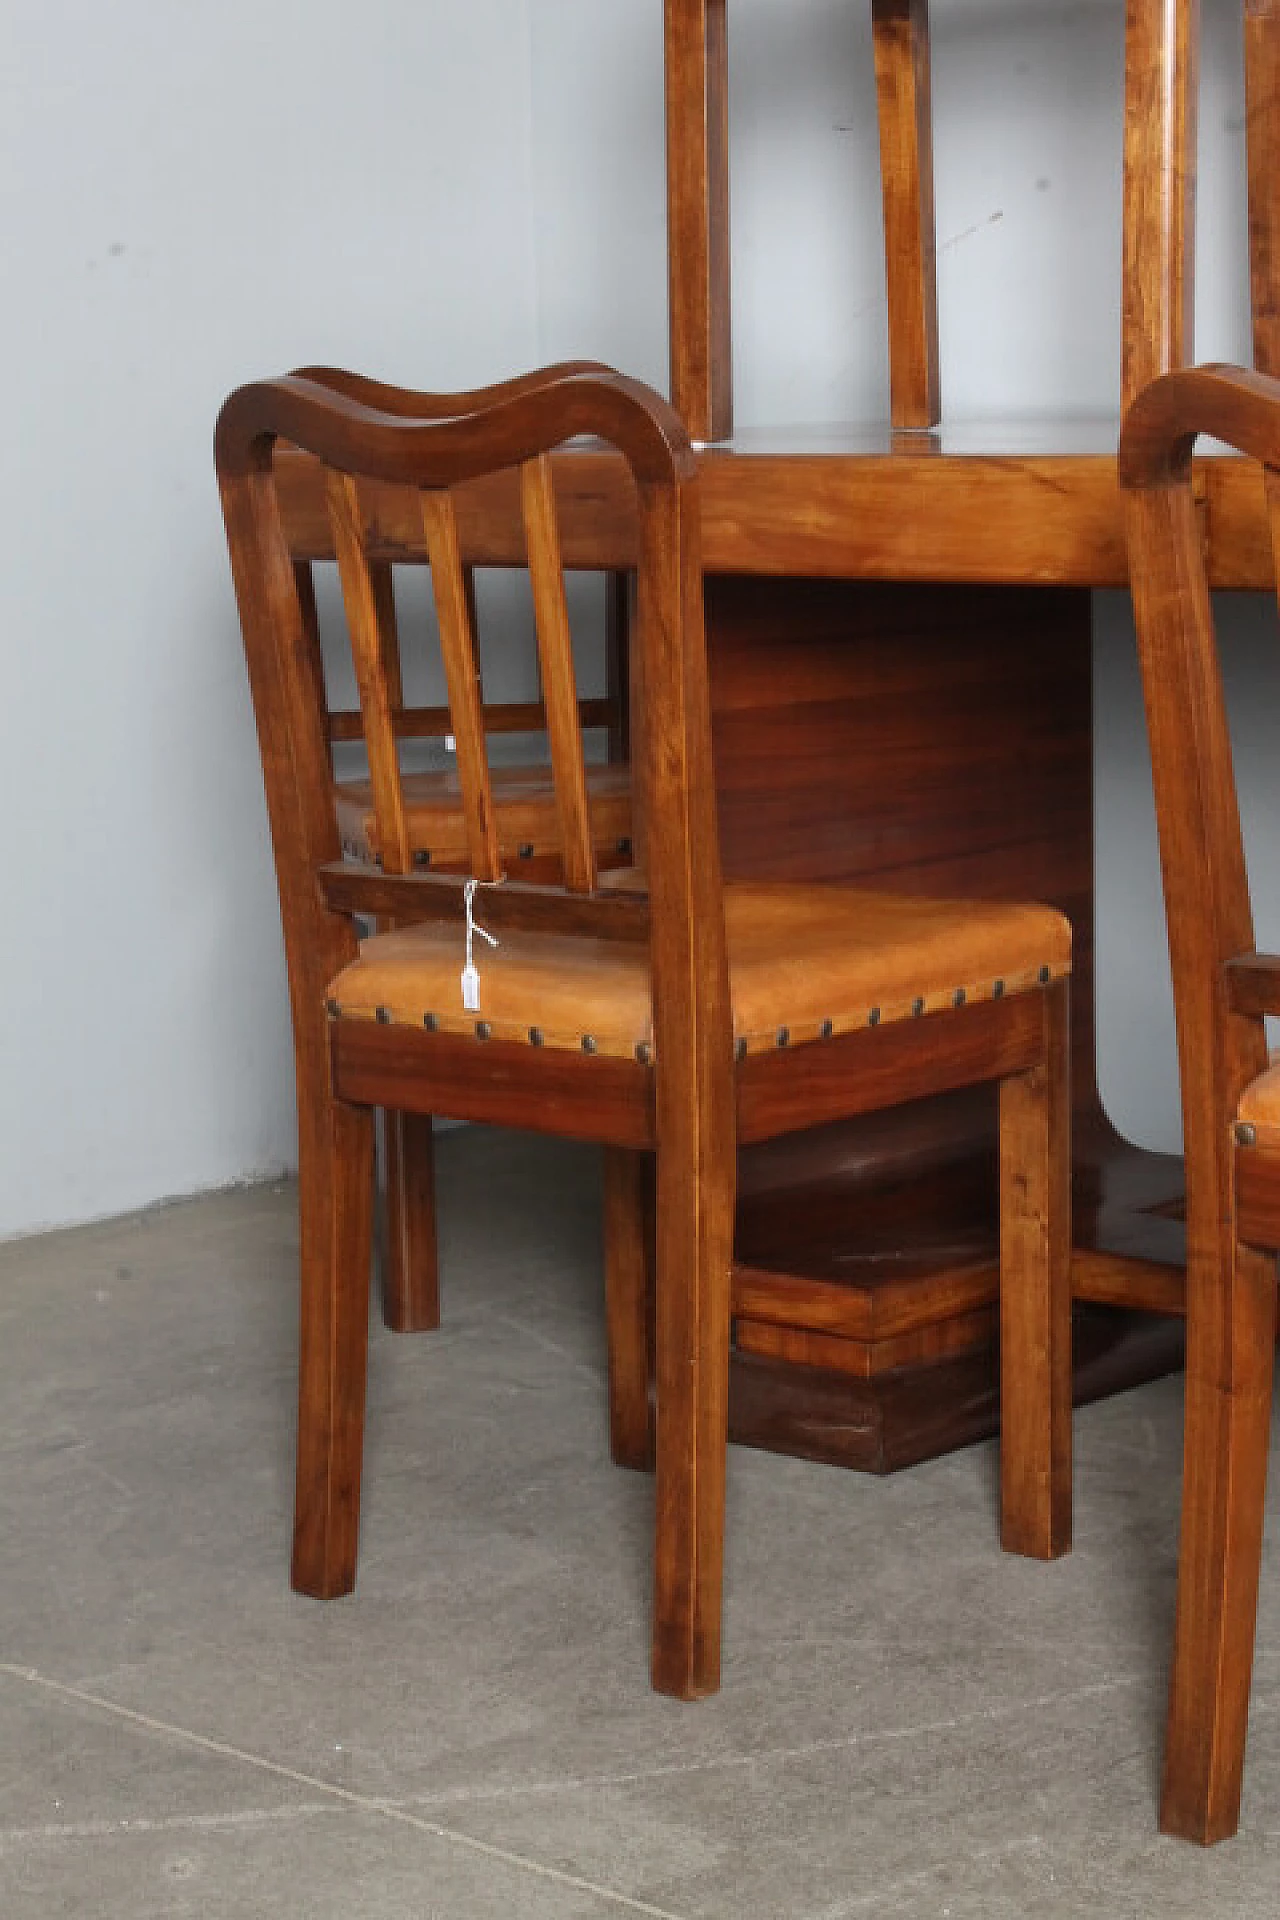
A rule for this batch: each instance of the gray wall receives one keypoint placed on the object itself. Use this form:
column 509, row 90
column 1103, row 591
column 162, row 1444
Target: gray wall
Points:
column 442, row 194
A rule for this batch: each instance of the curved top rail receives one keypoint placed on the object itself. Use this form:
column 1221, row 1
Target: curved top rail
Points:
column 1233, row 404
column 410, row 404
column 402, row 447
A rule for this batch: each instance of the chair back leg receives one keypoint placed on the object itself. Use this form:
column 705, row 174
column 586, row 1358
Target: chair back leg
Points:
column 1035, row 1296
column 628, row 1285
column 410, row 1261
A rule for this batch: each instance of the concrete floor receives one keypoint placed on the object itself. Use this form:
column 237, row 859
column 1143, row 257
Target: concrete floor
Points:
column 910, row 1723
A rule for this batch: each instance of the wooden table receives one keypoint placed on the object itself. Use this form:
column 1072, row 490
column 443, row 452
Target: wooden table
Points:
column 900, row 632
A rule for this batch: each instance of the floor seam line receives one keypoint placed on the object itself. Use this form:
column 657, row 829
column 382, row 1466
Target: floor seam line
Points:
column 234, row 1819
column 364, row 1803
column 764, row 1756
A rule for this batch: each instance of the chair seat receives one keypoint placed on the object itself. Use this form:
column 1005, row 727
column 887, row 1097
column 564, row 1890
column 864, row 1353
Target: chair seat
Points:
column 524, row 802
column 805, row 963
column 1259, row 1108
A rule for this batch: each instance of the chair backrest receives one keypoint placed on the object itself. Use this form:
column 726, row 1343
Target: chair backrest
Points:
column 418, row 722
column 1221, row 986
column 391, row 444
column 1161, row 95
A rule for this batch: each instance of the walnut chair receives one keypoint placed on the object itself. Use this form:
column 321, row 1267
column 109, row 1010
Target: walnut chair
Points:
column 525, row 817
column 1222, row 989
column 677, row 1019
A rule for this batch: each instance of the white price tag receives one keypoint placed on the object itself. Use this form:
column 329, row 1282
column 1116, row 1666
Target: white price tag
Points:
column 470, row 989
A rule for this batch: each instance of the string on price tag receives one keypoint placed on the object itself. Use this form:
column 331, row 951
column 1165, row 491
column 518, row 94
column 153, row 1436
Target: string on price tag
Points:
column 470, row 972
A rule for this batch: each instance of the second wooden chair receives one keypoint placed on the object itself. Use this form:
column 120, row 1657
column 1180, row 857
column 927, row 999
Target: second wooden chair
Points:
column 1222, row 990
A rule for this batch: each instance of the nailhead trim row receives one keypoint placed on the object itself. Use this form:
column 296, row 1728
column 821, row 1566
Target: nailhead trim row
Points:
column 744, row 1044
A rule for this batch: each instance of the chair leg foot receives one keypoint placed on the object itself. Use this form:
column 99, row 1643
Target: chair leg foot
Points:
column 336, row 1205
column 628, row 1284
column 1035, row 1298
column 410, row 1258
column 1231, row 1323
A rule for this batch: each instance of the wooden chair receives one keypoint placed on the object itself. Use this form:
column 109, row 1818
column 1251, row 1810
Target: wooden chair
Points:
column 675, row 1021
column 524, row 813
column 1230, row 1097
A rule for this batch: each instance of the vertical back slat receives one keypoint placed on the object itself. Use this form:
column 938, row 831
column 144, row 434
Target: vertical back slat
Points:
column 697, row 97
column 312, row 657
column 901, row 34
column 384, row 604
column 360, row 599
column 1162, row 75
column 462, row 677
column 559, row 686
column 1262, row 123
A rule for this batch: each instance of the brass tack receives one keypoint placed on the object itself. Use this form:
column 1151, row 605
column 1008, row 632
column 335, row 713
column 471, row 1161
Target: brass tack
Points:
column 1044, row 976
column 873, row 1018
column 588, row 1043
column 643, row 1054
column 917, row 1005
column 422, row 858
column 1246, row 1135
column 483, row 1029
column 740, row 1050
column 535, row 1036
column 429, row 1022
column 383, row 1016
column 333, row 1009
column 826, row 1030
column 997, row 989
column 526, row 849
column 959, row 997
column 783, row 1036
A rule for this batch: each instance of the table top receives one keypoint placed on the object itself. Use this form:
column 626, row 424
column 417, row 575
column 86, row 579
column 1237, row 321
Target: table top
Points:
column 1015, row 502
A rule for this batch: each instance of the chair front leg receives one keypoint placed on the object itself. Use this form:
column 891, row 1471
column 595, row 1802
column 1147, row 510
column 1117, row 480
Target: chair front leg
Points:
column 1231, row 1331
column 695, row 1203
column 335, row 1156
column 1035, row 1296
column 628, row 1287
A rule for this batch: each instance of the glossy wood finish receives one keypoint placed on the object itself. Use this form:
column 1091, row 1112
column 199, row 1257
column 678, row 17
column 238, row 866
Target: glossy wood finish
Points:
column 846, row 504
column 629, row 1266
column 1162, row 40
column 1162, row 76
column 1233, row 1191
column 1262, row 146
column 736, row 1045
column 409, row 1263
column 686, row 1107
column 1009, row 505
column 901, row 38
column 697, row 94
column 1035, row 1323
column 828, row 697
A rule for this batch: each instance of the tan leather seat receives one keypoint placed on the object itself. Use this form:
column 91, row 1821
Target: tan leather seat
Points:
column 804, row 965
column 1259, row 1108
column 524, row 809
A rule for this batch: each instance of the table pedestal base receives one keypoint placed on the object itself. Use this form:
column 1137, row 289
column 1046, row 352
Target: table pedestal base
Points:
column 923, row 739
